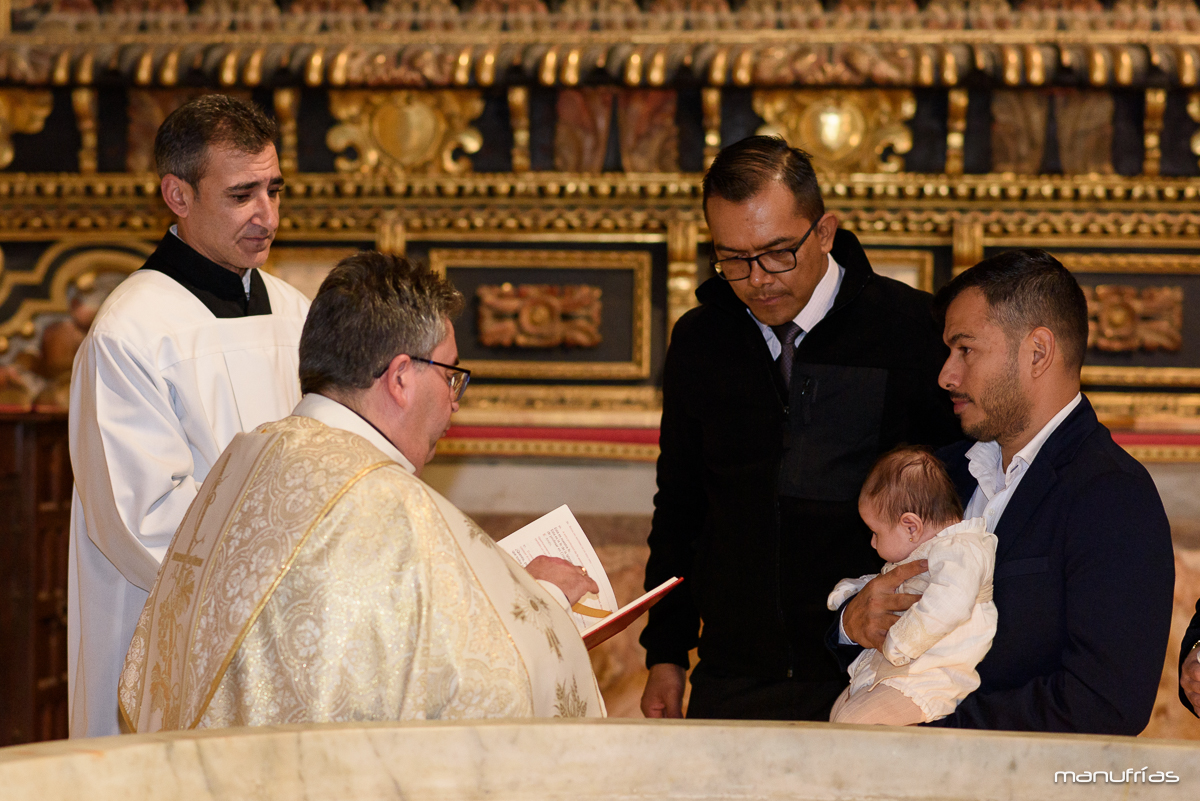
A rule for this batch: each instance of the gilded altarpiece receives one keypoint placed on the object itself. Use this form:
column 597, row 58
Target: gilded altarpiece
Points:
column 942, row 133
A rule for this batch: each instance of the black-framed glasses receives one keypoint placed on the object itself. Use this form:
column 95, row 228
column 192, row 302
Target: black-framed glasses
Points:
column 738, row 268
column 458, row 378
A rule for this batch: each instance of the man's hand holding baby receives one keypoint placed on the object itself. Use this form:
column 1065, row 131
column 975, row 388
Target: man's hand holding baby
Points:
column 868, row 615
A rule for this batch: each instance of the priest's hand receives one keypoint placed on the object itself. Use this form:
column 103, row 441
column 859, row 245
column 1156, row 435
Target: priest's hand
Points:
column 1189, row 678
column 868, row 615
column 663, row 696
column 572, row 579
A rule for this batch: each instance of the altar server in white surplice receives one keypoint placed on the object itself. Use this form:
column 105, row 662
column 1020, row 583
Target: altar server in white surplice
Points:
column 316, row 578
column 195, row 347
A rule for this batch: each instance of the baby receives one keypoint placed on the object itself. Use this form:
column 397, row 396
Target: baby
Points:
column 927, row 664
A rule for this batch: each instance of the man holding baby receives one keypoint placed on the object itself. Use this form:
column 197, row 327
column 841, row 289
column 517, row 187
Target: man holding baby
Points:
column 1084, row 570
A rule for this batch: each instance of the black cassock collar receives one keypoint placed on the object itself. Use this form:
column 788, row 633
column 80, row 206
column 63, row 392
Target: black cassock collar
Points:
column 219, row 289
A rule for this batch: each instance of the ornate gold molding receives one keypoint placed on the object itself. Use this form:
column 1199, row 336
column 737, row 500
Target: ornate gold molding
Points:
column 1156, row 107
column 1131, row 263
column 565, row 406
column 876, row 45
column 84, row 103
column 95, row 255
column 397, row 133
column 682, row 274
column 1148, row 411
column 287, row 112
column 518, row 114
column 710, row 101
column 957, row 129
column 1102, row 376
column 554, row 448
column 975, row 194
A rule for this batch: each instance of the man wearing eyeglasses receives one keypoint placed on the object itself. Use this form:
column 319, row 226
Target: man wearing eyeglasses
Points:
column 318, row 579
column 798, row 369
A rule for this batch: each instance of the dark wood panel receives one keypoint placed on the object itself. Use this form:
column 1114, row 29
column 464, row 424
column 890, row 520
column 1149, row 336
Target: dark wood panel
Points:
column 35, row 507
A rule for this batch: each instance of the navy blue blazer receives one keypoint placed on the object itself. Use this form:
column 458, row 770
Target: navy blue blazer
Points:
column 1083, row 588
column 1190, row 638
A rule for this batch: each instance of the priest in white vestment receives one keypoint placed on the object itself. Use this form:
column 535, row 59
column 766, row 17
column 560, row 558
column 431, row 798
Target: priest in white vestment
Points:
column 316, row 578
column 195, row 347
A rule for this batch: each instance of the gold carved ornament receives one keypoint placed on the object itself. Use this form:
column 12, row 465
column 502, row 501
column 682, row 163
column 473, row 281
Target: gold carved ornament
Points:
column 855, row 131
column 1123, row 318
column 398, row 133
column 539, row 316
column 21, row 111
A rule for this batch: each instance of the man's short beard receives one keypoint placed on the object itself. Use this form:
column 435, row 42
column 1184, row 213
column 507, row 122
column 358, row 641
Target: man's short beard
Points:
column 1005, row 407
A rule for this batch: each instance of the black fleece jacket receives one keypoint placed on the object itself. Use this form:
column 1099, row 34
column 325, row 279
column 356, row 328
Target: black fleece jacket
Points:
column 758, row 487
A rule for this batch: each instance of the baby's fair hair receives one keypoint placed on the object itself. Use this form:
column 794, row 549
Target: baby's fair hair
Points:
column 911, row 479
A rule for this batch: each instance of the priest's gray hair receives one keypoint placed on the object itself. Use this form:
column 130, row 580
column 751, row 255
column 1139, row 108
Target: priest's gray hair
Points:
column 184, row 142
column 371, row 308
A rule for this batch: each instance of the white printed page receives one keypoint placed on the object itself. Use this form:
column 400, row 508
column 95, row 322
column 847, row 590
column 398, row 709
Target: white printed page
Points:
column 558, row 534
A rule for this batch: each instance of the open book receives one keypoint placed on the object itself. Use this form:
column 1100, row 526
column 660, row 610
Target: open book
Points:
column 596, row 614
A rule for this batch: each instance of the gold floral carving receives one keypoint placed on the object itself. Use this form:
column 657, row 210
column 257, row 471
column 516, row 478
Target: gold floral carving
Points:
column 845, row 131
column 398, row 133
column 539, row 315
column 636, row 262
column 1124, row 318
column 1085, row 131
column 1018, row 131
column 21, row 111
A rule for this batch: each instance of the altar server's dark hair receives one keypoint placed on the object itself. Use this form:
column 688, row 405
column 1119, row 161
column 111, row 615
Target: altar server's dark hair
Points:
column 370, row 308
column 184, row 142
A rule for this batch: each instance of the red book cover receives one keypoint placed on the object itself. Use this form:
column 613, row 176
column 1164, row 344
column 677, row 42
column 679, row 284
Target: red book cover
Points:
column 619, row 621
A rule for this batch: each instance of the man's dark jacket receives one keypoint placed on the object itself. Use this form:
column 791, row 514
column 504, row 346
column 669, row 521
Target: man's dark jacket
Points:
column 1083, row 586
column 1190, row 638
column 757, row 497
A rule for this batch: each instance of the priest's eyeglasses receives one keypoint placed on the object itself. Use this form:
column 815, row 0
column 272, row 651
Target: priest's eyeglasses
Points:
column 738, row 268
column 457, row 378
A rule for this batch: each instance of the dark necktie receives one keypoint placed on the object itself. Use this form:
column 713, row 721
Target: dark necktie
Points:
column 786, row 334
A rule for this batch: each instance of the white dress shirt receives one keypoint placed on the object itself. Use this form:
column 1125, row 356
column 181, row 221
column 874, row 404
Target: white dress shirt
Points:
column 813, row 312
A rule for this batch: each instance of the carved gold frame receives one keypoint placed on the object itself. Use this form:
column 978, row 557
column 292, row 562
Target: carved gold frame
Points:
column 637, row 261
column 1136, row 264
column 108, row 254
column 919, row 260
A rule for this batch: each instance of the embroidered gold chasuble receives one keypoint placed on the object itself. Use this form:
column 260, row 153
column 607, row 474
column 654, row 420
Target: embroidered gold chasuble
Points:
column 315, row 579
